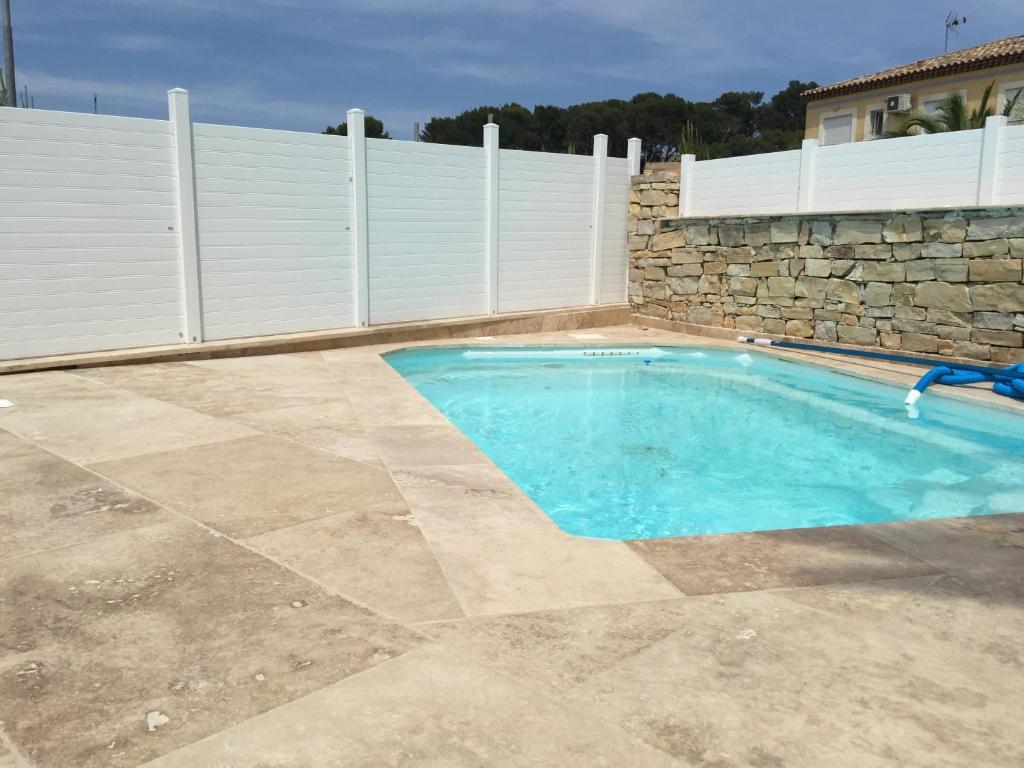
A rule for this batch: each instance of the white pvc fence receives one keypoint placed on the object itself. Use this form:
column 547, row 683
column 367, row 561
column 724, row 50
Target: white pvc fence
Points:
column 121, row 232
column 946, row 170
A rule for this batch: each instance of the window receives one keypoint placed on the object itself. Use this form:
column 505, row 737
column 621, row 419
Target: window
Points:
column 837, row 129
column 875, row 126
column 1014, row 90
column 931, row 106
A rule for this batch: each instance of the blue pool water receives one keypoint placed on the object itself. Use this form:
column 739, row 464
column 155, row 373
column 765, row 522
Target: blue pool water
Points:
column 652, row 442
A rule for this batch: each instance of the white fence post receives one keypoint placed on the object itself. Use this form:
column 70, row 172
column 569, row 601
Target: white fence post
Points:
column 360, row 223
column 687, row 166
column 994, row 125
column 808, row 154
column 633, row 156
column 597, row 219
column 491, row 202
column 188, row 229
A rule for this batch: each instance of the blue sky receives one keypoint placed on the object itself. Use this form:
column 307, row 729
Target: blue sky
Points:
column 298, row 64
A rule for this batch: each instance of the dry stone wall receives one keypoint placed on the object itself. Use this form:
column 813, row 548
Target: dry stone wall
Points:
column 941, row 282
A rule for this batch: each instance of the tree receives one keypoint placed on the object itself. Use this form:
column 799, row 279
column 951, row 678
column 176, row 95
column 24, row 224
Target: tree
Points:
column 953, row 115
column 374, row 129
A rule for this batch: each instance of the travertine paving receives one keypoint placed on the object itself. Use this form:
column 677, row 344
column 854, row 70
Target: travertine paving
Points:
column 295, row 560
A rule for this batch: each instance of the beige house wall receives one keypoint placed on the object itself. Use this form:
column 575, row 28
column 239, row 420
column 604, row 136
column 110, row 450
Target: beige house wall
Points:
column 971, row 83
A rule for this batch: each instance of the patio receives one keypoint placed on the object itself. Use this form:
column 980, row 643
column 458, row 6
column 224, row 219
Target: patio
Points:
column 294, row 560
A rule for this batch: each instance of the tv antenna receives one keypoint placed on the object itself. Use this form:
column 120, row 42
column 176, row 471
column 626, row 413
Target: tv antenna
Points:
column 953, row 23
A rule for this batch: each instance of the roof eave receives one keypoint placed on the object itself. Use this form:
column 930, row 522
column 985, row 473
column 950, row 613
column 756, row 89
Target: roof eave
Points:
column 831, row 91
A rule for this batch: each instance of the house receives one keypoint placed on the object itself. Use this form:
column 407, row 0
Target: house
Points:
column 868, row 107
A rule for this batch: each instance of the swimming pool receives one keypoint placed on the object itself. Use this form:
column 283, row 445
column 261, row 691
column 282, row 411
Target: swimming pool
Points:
column 633, row 443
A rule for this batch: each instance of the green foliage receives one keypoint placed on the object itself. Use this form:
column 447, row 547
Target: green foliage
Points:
column 736, row 123
column 374, row 129
column 953, row 115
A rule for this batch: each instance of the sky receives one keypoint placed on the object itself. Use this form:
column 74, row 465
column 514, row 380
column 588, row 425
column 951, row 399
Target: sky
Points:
column 299, row 64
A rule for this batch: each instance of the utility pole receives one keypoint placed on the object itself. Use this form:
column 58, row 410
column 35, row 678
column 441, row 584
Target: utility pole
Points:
column 12, row 88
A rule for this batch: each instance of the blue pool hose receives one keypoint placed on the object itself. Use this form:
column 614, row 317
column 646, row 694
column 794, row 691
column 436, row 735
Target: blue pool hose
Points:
column 1008, row 381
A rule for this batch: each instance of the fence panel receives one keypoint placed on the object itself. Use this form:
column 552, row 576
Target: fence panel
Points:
column 1009, row 187
column 90, row 252
column 275, row 238
column 545, row 209
column 739, row 185
column 427, row 240
column 614, row 254
column 931, row 171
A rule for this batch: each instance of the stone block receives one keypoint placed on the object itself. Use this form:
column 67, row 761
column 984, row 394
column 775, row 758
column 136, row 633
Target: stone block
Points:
column 742, row 254
column 743, row 286
column 685, row 270
column 730, row 234
column 879, row 312
column 915, row 326
column 990, row 229
column 854, row 334
column 996, row 270
column 811, row 287
column 817, row 267
column 943, row 296
column 877, row 294
column 1001, row 297
column 655, row 290
column 880, row 252
column 769, row 310
column 738, row 270
column 839, row 252
column 748, row 323
column 997, row 338
column 954, row 333
column 664, row 241
column 902, row 229
column 764, row 269
column 775, row 327
column 800, row 328
column 1007, row 355
column 715, row 267
column 821, row 232
column 698, row 234
column 972, row 350
column 855, row 231
column 1016, row 247
column 949, row 229
column 890, row 340
column 944, row 347
column 684, row 286
column 877, row 271
column 781, row 286
column 825, row 330
column 941, row 251
column 700, row 315
column 797, row 313
column 996, row 321
column 906, row 251
column 654, row 273
column 919, row 342
column 842, row 290
column 785, row 231
column 999, row 248
column 658, row 197
column 811, row 252
column 911, row 313
column 842, row 267
column 638, row 242
column 757, row 234
column 709, row 284
column 687, row 256
column 945, row 317
column 645, row 227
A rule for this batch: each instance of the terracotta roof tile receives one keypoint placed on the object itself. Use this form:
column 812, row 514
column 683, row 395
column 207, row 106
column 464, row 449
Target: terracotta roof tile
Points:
column 1006, row 51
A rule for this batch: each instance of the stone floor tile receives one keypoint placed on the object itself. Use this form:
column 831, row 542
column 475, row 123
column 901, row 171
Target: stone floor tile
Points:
column 756, row 680
column 555, row 651
column 991, row 545
column 130, row 646
column 257, row 484
column 423, row 445
column 379, row 559
column 86, row 421
column 47, row 502
column 739, row 562
column 424, row 709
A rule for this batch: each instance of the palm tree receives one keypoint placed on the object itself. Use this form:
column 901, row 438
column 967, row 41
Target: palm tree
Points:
column 952, row 115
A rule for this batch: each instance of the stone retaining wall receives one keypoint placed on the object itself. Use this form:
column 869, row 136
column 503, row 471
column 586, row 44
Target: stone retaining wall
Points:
column 941, row 282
